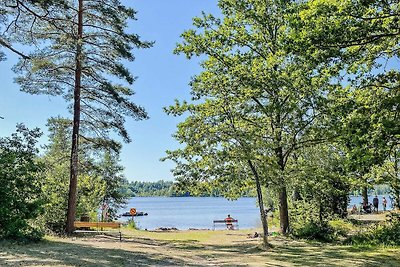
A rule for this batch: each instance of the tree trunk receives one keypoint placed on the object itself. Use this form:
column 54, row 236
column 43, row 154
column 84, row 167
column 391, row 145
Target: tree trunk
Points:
column 283, row 202
column 396, row 199
column 261, row 205
column 365, row 195
column 396, row 182
column 72, row 195
column 320, row 212
column 283, row 210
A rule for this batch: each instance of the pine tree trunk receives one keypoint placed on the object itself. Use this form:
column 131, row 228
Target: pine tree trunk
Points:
column 72, row 195
column 263, row 215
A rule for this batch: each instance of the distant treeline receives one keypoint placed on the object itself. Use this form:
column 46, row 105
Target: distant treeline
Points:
column 377, row 190
column 170, row 189
column 146, row 189
column 165, row 188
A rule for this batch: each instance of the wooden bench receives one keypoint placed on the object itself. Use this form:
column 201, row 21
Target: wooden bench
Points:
column 234, row 222
column 98, row 226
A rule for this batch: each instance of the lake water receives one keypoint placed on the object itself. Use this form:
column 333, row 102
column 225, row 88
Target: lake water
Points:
column 358, row 200
column 195, row 212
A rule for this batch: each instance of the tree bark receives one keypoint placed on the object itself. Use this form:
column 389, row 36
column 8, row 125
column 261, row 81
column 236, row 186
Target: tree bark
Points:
column 283, row 210
column 72, row 195
column 365, row 195
column 283, row 202
column 263, row 214
column 396, row 182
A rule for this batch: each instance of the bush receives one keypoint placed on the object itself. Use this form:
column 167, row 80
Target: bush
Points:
column 325, row 231
column 131, row 224
column 20, row 179
column 308, row 222
column 341, row 227
column 387, row 233
column 320, row 231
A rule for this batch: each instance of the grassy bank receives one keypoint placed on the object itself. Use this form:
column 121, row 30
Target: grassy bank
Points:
column 190, row 248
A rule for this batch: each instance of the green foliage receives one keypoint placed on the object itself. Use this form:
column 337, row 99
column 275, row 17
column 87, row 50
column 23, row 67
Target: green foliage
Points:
column 131, row 224
column 357, row 42
column 100, row 181
column 21, row 179
column 109, row 173
column 383, row 234
column 144, row 189
column 91, row 191
column 172, row 189
column 325, row 231
column 319, row 231
column 105, row 45
column 254, row 103
column 308, row 222
column 342, row 227
column 320, row 177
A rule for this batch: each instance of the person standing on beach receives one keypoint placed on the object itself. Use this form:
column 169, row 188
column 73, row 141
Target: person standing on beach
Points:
column 375, row 202
column 384, row 203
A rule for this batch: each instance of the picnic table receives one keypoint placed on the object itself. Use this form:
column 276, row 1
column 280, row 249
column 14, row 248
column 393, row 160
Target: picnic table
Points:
column 99, row 227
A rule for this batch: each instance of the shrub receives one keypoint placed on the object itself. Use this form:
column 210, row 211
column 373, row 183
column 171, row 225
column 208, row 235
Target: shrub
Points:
column 20, row 190
column 309, row 223
column 341, row 227
column 131, row 224
column 320, row 231
column 387, row 233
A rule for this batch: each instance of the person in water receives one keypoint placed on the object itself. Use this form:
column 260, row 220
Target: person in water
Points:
column 229, row 222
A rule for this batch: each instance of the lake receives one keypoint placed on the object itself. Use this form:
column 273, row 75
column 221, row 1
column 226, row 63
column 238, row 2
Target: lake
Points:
column 199, row 212
column 193, row 212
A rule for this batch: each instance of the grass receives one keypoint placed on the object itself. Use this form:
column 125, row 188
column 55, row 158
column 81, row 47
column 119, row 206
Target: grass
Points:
column 190, row 248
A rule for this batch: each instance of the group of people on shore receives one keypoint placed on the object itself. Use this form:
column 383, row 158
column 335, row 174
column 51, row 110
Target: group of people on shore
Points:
column 370, row 207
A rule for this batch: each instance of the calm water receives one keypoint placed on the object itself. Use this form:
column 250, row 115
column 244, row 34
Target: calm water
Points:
column 192, row 212
column 358, row 200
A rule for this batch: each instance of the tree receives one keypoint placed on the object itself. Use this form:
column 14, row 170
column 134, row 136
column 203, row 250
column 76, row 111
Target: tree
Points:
column 321, row 178
column 14, row 12
column 388, row 174
column 81, row 45
column 111, row 175
column 218, row 153
column 361, row 52
column 100, row 178
column 248, row 58
column 20, row 179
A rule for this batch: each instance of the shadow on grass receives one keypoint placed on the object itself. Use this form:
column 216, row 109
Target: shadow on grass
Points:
column 285, row 252
column 331, row 255
column 293, row 253
column 52, row 253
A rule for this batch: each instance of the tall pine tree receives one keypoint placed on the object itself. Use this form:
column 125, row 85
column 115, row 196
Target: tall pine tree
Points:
column 81, row 46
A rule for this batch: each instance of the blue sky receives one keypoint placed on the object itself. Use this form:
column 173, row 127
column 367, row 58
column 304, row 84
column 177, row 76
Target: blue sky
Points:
column 162, row 77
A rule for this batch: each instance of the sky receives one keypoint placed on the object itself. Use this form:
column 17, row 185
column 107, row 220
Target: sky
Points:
column 162, row 77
